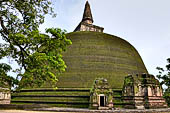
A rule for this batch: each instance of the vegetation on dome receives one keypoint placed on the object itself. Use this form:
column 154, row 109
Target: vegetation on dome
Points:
column 98, row 55
column 61, row 97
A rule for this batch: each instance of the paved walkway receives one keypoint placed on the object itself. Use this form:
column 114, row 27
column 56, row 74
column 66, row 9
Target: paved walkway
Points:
column 72, row 110
column 23, row 111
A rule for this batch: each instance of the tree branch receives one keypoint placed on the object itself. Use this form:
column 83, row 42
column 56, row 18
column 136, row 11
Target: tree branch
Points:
column 9, row 41
column 3, row 26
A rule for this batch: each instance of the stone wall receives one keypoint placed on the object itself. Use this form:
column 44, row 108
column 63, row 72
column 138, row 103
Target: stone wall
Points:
column 5, row 96
column 83, row 26
column 89, row 27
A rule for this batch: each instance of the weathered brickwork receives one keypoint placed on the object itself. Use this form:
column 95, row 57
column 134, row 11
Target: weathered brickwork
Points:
column 101, row 95
column 143, row 91
column 98, row 55
column 83, row 26
column 5, row 96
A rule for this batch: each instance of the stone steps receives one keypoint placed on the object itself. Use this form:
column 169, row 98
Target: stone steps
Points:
column 62, row 97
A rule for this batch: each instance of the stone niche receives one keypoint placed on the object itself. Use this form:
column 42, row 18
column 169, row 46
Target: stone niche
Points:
column 101, row 96
column 5, row 96
column 142, row 91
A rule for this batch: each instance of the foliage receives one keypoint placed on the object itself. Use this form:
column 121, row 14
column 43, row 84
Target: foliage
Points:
column 9, row 81
column 37, row 53
column 46, row 59
column 167, row 96
column 164, row 77
column 129, row 81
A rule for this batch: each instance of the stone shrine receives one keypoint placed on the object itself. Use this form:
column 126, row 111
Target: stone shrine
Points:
column 101, row 95
column 143, row 91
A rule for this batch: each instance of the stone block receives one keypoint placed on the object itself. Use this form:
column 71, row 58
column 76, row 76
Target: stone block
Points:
column 5, row 96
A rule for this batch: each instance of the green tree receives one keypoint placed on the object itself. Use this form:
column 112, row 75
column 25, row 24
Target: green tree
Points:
column 164, row 77
column 8, row 80
column 36, row 53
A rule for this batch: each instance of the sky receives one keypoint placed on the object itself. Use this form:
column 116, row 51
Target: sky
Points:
column 143, row 23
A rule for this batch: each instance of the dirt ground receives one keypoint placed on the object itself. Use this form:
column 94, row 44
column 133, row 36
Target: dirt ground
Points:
column 69, row 110
column 23, row 111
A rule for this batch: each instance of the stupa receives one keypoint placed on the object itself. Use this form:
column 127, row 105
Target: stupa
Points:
column 95, row 54
column 97, row 66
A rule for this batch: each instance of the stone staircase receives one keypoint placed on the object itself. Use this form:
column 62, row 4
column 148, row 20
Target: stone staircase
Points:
column 62, row 97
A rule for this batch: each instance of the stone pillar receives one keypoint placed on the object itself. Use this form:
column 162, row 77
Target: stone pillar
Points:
column 156, row 100
column 150, row 91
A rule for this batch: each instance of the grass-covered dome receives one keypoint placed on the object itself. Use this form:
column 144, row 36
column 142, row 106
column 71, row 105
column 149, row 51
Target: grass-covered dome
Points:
column 93, row 55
